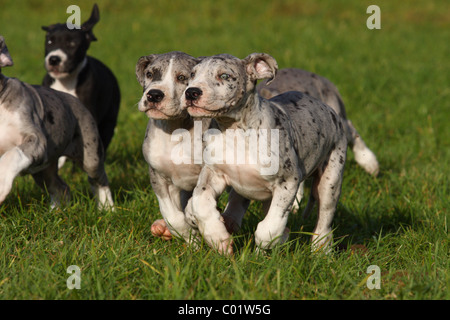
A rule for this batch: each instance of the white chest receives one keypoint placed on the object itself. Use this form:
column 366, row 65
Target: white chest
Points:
column 247, row 159
column 166, row 157
column 67, row 85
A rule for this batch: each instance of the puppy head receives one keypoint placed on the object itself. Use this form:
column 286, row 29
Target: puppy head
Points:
column 223, row 82
column 5, row 57
column 164, row 78
column 65, row 49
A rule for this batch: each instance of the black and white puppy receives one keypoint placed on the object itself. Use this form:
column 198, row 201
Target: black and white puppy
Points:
column 71, row 70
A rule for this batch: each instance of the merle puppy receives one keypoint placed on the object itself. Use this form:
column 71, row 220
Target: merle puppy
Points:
column 311, row 144
column 37, row 126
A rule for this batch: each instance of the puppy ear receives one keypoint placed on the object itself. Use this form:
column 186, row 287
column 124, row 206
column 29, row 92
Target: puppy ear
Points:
column 90, row 23
column 261, row 66
column 49, row 28
column 142, row 63
column 5, row 57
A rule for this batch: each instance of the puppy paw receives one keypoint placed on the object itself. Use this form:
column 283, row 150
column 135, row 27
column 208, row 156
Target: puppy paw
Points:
column 5, row 189
column 159, row 229
column 226, row 247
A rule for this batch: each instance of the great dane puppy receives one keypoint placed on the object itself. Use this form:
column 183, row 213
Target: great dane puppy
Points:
column 37, row 126
column 308, row 141
column 291, row 79
column 164, row 78
column 71, row 70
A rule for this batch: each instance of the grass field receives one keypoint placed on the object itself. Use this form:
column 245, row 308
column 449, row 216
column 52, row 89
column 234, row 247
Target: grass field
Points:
column 396, row 86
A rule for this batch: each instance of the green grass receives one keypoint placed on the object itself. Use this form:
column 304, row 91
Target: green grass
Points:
column 395, row 83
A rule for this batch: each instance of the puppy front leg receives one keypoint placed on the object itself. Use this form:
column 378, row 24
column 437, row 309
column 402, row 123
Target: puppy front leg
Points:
column 204, row 208
column 12, row 163
column 272, row 230
column 169, row 199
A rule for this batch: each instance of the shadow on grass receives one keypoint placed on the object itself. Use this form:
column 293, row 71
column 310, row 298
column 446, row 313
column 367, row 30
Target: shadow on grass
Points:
column 352, row 230
column 357, row 229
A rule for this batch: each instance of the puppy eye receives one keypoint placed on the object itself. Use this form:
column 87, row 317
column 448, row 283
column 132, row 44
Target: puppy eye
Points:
column 149, row 75
column 225, row 76
column 49, row 42
column 181, row 77
column 192, row 74
column 72, row 44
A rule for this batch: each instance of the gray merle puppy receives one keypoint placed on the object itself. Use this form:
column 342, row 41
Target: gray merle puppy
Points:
column 311, row 143
column 37, row 126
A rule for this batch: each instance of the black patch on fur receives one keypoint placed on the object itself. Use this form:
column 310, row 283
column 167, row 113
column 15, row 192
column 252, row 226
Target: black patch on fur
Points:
column 287, row 164
column 333, row 117
column 277, row 121
column 50, row 117
column 157, row 74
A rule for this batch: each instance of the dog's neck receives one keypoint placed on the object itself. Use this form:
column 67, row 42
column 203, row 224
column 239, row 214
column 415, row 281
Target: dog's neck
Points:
column 69, row 83
column 170, row 125
column 239, row 116
column 3, row 80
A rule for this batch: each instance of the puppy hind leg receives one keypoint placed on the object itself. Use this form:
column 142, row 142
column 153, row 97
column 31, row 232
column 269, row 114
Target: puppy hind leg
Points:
column 90, row 147
column 328, row 190
column 100, row 188
column 234, row 211
column 93, row 165
column 298, row 197
column 48, row 179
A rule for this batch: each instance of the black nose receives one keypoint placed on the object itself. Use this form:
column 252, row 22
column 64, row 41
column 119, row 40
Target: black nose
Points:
column 155, row 95
column 54, row 60
column 193, row 93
